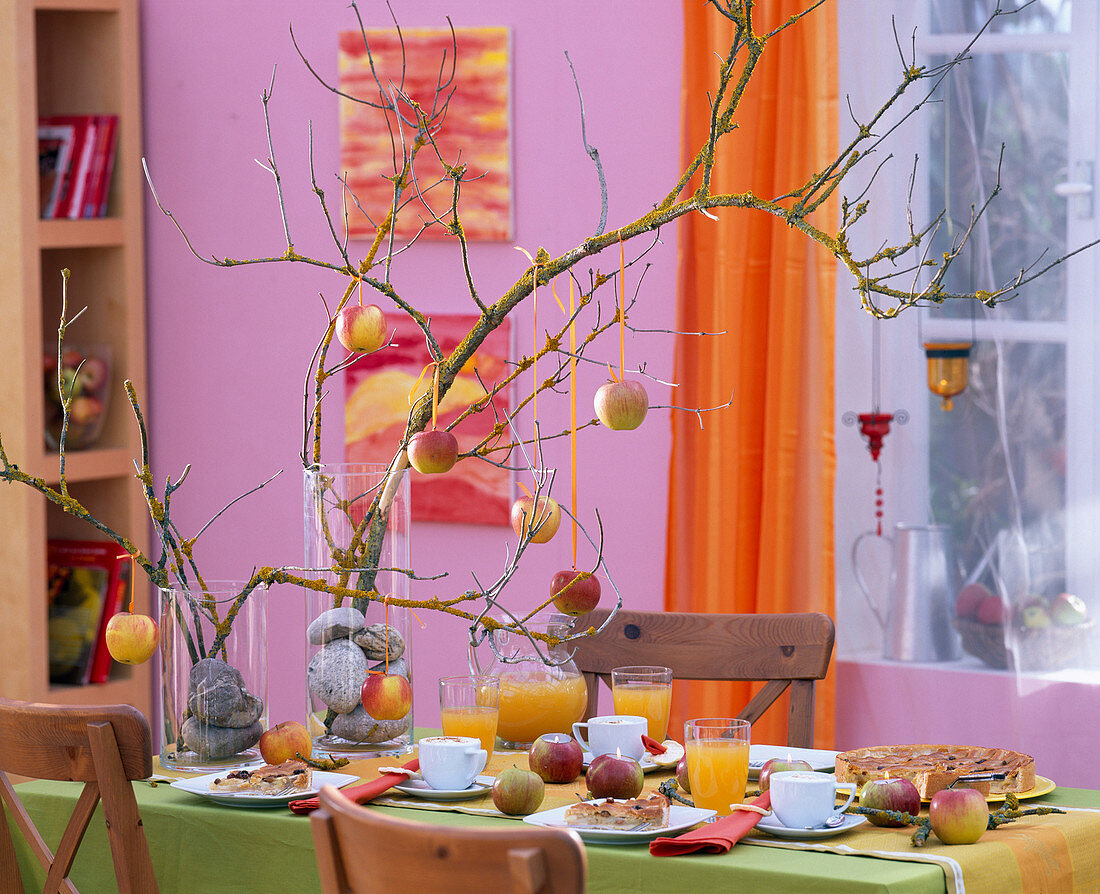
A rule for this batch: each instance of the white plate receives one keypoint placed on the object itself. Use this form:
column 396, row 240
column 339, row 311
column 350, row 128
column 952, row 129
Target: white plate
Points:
column 421, row 789
column 679, row 819
column 200, row 785
column 817, row 759
column 646, row 762
column 772, row 826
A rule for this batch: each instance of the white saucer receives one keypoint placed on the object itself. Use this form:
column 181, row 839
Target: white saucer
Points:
column 772, row 826
column 420, row 789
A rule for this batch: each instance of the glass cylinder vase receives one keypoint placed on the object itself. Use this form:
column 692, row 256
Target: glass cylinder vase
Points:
column 214, row 675
column 357, row 538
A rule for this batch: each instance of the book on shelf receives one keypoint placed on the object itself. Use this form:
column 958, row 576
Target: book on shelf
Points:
column 82, row 175
column 55, row 145
column 87, row 584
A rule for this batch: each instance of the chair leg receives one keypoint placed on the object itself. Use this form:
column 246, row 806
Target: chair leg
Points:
column 129, row 849
column 11, row 881
column 800, row 721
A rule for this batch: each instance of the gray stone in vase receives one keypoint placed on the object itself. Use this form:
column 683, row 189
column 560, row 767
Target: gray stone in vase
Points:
column 399, row 667
column 336, row 623
column 336, row 675
column 372, row 640
column 216, row 695
column 359, row 726
column 218, row 742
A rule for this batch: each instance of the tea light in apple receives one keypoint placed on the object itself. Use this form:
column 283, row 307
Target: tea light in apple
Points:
column 614, row 776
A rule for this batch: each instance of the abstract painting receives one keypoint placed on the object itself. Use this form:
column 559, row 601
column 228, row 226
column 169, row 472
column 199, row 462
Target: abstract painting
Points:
column 475, row 131
column 378, row 389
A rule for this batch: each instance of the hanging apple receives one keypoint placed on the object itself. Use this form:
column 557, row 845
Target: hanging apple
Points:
column 361, row 328
column 575, row 592
column 542, row 523
column 131, row 639
column 621, row 405
column 433, row 452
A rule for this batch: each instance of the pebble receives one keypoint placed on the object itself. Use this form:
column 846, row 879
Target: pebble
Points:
column 218, row 742
column 334, row 624
column 336, row 675
column 359, row 726
column 216, row 695
column 372, row 640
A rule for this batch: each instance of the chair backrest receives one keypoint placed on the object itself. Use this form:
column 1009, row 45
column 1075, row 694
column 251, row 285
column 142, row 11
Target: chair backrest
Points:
column 361, row 851
column 783, row 650
column 106, row 748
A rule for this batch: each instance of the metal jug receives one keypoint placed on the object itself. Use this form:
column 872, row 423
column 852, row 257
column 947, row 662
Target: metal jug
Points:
column 924, row 579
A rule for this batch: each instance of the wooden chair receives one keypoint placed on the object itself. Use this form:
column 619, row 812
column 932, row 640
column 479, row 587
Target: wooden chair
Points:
column 103, row 747
column 785, row 650
column 360, row 851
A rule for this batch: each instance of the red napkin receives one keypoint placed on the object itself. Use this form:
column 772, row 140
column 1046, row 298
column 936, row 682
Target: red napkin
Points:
column 652, row 745
column 713, row 838
column 360, row 794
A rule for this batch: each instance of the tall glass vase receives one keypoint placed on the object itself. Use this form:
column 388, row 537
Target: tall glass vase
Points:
column 356, row 536
column 214, row 675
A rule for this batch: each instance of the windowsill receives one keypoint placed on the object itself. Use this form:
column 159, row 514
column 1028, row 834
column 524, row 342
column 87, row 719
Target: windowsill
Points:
column 970, row 665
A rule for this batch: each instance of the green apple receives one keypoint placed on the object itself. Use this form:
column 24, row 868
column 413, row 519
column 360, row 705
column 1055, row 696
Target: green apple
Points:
column 518, row 792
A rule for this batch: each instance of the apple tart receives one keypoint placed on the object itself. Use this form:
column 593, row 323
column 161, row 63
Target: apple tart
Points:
column 624, row 814
column 270, row 779
column 932, row 768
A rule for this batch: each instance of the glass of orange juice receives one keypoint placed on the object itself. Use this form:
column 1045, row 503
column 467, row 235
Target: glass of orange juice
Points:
column 717, row 761
column 644, row 691
column 469, row 706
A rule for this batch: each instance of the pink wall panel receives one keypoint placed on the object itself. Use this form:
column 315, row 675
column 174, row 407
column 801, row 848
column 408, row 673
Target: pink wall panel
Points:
column 229, row 349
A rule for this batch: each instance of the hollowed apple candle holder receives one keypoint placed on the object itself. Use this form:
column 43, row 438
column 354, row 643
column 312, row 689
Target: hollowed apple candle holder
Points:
column 214, row 676
column 348, row 639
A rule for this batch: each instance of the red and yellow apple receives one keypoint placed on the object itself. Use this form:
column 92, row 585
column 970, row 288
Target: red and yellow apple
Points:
column 969, row 598
column 613, row 776
column 621, row 405
column 993, row 610
column 682, row 779
column 958, row 815
column 541, row 523
column 433, row 452
column 518, row 792
column 361, row 328
column 386, row 696
column 286, row 741
column 132, row 639
column 556, row 757
column 889, row 794
column 575, row 592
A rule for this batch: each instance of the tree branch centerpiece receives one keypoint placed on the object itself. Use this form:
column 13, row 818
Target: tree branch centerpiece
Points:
column 356, row 573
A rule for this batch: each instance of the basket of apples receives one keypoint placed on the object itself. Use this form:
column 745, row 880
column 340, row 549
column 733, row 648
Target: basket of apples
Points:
column 85, row 381
column 1040, row 634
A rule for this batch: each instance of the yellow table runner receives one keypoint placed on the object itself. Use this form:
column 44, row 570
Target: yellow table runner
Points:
column 1050, row 854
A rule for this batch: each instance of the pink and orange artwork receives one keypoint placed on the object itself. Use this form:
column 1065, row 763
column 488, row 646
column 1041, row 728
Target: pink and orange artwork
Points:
column 476, row 130
column 378, row 388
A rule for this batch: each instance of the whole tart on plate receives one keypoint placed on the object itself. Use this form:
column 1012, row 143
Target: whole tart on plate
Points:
column 932, row 768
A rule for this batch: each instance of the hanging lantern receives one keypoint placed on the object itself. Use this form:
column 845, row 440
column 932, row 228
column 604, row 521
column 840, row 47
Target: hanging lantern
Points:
column 947, row 362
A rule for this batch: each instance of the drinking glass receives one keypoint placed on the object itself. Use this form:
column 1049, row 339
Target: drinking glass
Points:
column 469, row 706
column 717, row 761
column 644, row 691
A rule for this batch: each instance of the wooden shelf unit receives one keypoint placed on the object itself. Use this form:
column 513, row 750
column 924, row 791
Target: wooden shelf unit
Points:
column 67, row 57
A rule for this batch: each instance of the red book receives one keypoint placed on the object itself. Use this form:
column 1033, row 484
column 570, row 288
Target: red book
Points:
column 79, row 160
column 87, row 584
column 103, row 162
column 55, row 145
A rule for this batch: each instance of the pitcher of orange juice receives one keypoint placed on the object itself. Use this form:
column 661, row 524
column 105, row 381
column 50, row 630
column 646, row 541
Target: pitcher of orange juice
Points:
column 536, row 697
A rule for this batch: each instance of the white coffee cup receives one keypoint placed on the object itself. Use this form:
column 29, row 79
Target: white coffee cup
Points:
column 803, row 800
column 451, row 763
column 611, row 733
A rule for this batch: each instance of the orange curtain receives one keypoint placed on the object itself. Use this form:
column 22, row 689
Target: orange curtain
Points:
column 751, row 497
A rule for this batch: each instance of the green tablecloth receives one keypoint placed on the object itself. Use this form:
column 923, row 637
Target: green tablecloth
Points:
column 201, row 847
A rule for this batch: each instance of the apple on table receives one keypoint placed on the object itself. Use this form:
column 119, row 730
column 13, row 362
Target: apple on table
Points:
column 958, row 815
column 556, row 757
column 896, row 794
column 780, row 765
column 286, row 741
column 518, row 792
column 614, row 776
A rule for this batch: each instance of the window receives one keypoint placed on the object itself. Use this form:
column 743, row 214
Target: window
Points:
column 1012, row 467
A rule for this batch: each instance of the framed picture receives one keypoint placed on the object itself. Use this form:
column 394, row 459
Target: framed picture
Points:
column 379, row 391
column 476, row 129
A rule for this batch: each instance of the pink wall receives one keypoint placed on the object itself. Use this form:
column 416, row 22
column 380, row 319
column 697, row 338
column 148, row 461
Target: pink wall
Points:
column 229, row 349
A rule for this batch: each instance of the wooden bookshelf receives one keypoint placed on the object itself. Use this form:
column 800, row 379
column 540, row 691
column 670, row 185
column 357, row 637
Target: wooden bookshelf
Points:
column 67, row 57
